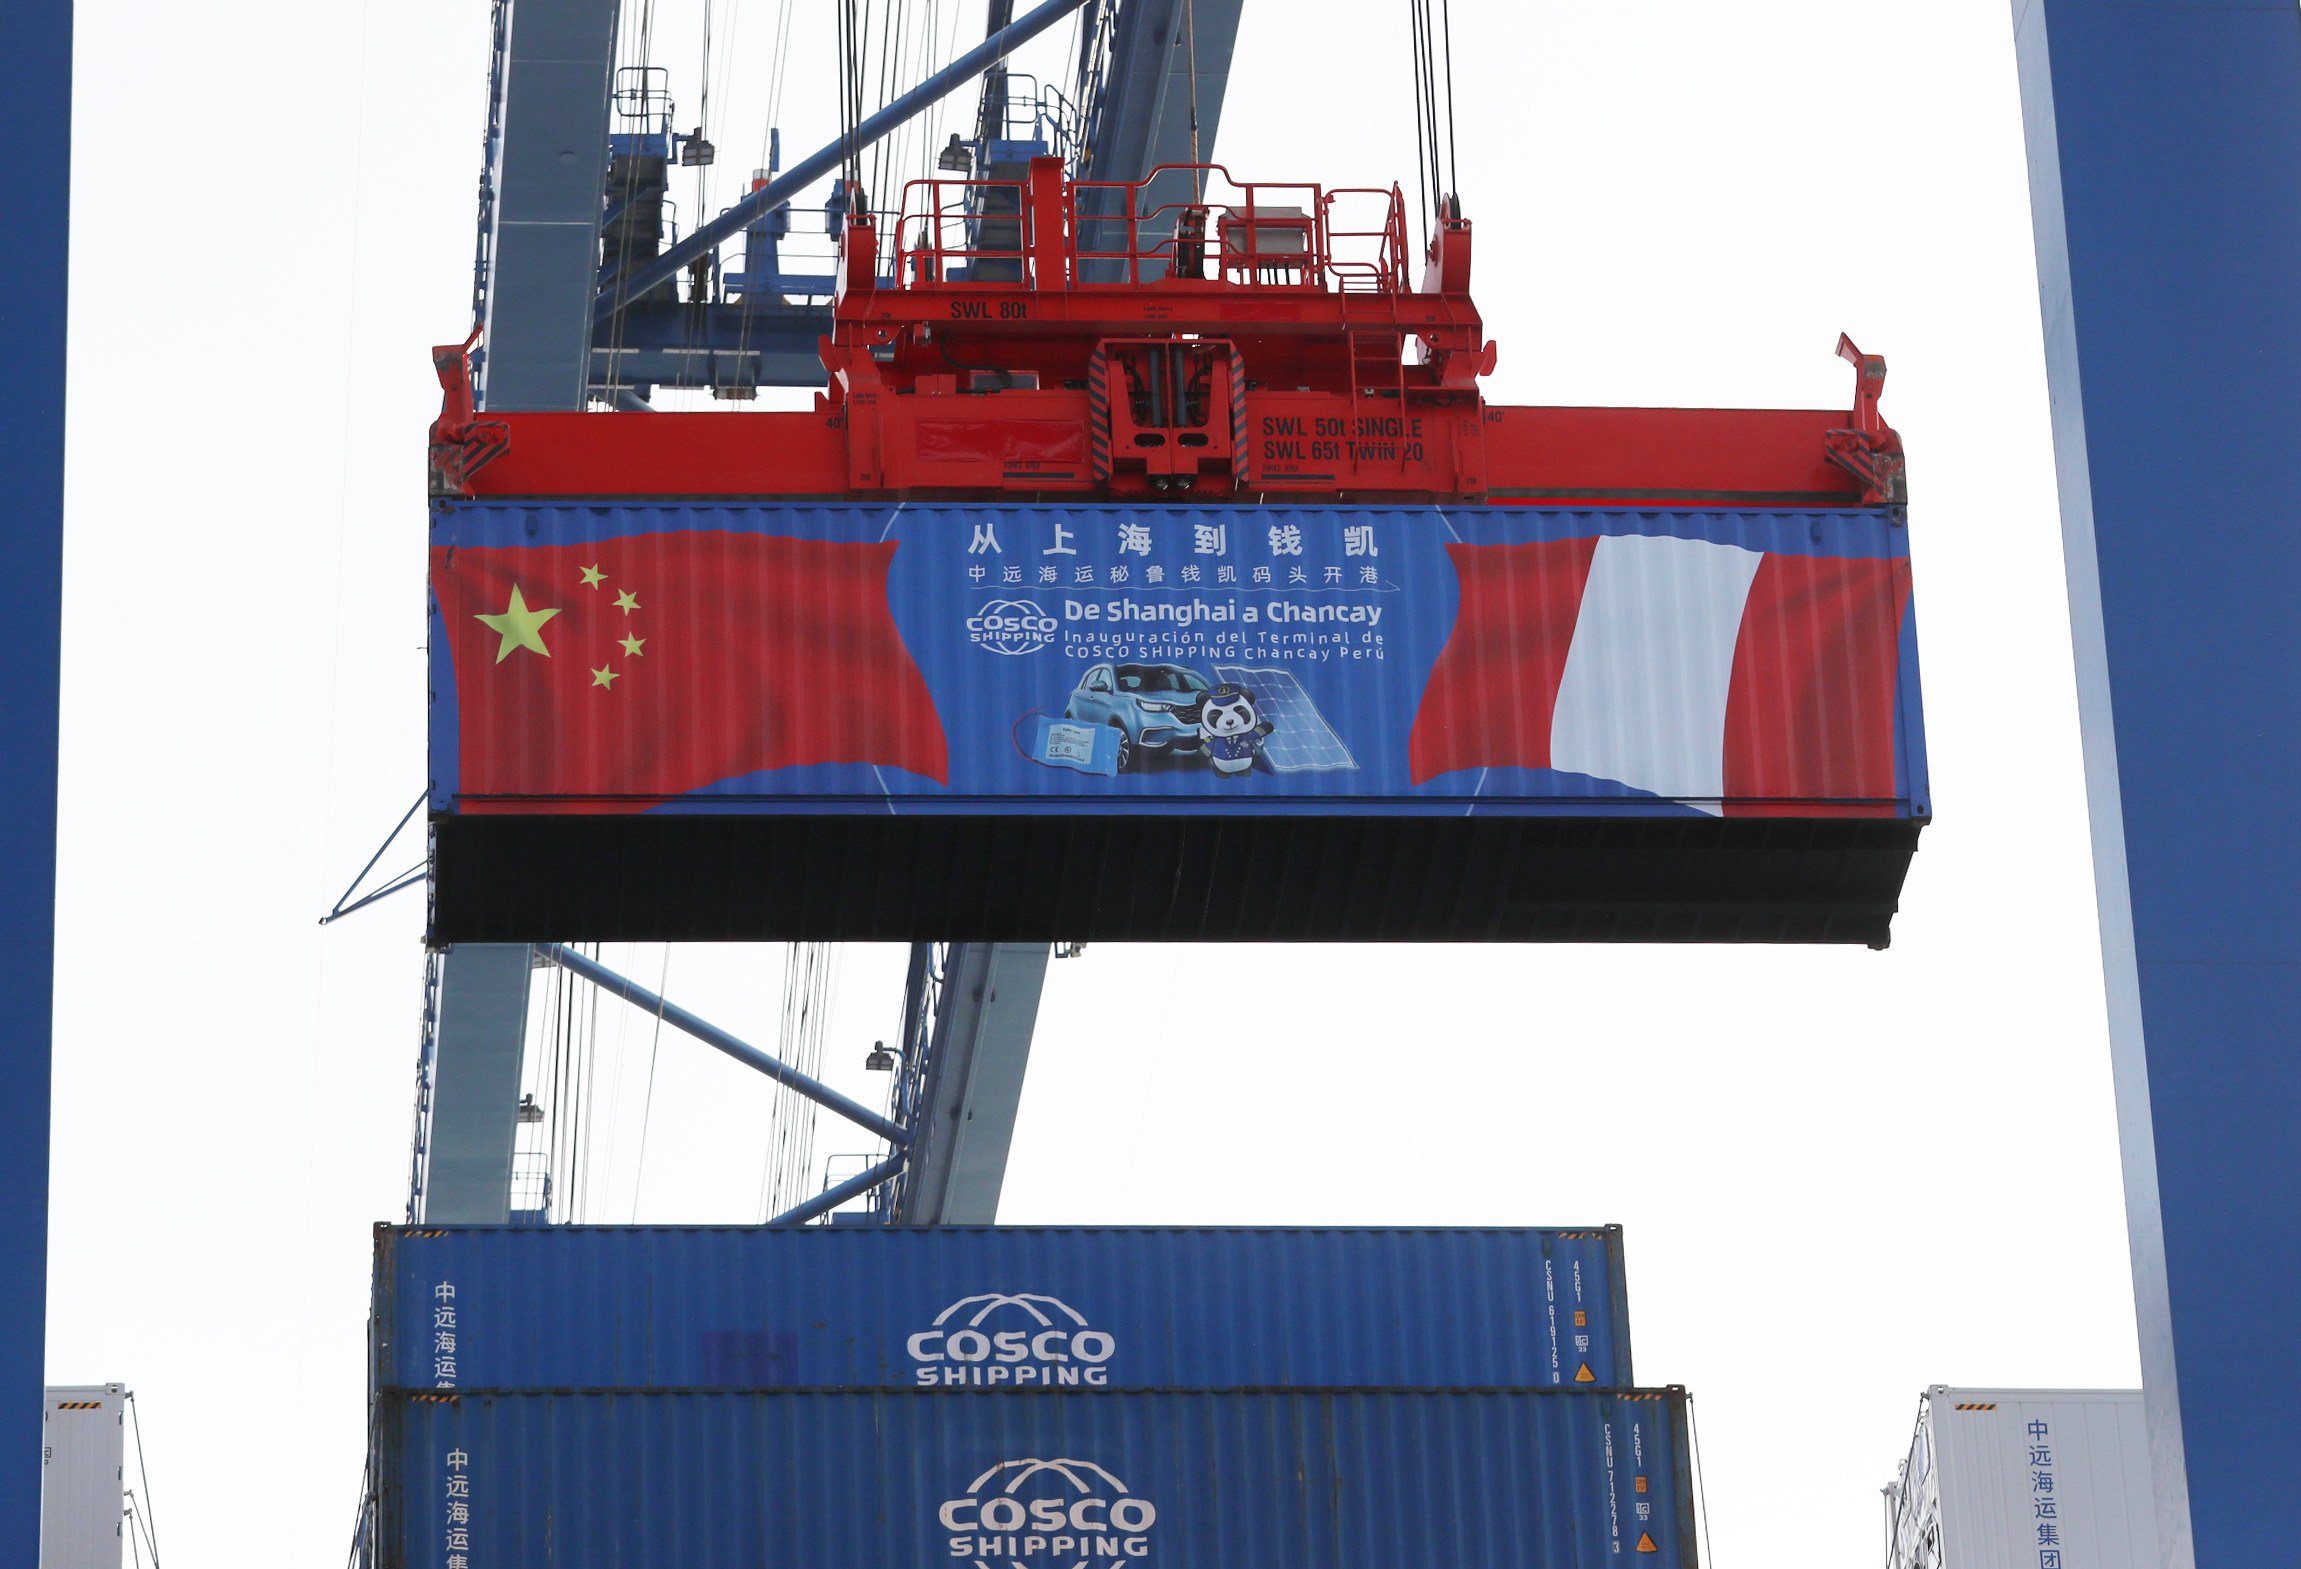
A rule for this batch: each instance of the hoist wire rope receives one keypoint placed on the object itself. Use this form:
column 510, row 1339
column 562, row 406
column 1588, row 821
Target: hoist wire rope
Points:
column 1701, row 1481
column 548, row 1074
column 850, row 98
column 895, row 56
column 950, row 52
column 647, row 1103
column 1423, row 179
column 554, row 1045
column 891, row 30
column 562, row 1112
column 797, row 1123
column 587, row 1091
column 1453, row 163
column 870, row 157
column 775, row 78
column 771, row 1153
column 598, row 1152
column 898, row 143
column 807, row 988
column 612, row 1145
column 1428, row 65
column 781, row 53
column 555, row 1124
column 703, row 127
column 719, row 66
column 136, row 1424
column 909, row 69
column 918, row 132
column 638, row 60
column 1190, row 62
column 794, row 1123
column 928, row 145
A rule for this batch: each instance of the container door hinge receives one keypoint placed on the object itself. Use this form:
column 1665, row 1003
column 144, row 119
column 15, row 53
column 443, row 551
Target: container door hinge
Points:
column 1869, row 449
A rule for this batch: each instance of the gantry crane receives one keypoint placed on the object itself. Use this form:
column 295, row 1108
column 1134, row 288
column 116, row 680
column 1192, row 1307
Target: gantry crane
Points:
column 576, row 299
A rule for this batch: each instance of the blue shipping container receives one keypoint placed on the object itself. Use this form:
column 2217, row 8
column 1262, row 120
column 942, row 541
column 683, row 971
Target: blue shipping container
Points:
column 662, row 696
column 893, row 659
column 1548, row 1479
column 703, row 1307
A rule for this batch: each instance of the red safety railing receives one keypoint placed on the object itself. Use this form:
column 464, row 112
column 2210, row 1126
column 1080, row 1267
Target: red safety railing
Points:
column 947, row 230
column 1263, row 234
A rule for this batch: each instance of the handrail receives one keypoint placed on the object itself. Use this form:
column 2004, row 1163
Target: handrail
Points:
column 1111, row 230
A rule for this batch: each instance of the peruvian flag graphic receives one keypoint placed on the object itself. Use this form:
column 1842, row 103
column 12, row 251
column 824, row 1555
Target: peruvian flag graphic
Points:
column 1731, row 679
column 641, row 668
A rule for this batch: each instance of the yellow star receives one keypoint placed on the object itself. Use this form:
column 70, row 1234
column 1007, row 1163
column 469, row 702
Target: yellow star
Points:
column 603, row 677
column 592, row 577
column 627, row 601
column 519, row 626
column 632, row 645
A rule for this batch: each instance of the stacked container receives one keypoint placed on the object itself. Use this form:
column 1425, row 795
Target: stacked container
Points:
column 2025, row 1479
column 1016, row 1398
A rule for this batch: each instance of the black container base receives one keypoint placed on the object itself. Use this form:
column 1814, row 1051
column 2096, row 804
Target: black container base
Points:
column 1167, row 879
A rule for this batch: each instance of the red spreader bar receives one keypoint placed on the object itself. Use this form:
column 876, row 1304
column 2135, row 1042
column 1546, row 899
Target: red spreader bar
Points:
column 1253, row 342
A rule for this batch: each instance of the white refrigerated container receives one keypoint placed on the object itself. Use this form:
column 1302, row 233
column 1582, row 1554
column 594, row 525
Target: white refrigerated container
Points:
column 82, row 1457
column 2024, row 1479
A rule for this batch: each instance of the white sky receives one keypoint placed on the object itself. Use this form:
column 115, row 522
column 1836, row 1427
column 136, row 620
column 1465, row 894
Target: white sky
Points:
column 1844, row 1174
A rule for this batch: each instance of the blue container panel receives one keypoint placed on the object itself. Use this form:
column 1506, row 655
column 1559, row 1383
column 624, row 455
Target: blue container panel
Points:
column 1253, row 1480
column 694, row 1307
column 962, row 660
column 866, row 722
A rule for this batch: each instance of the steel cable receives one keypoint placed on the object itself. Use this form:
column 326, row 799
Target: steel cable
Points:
column 136, row 1422
column 647, row 1105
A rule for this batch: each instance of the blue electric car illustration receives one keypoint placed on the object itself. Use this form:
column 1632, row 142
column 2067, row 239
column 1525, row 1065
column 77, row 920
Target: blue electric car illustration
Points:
column 1155, row 709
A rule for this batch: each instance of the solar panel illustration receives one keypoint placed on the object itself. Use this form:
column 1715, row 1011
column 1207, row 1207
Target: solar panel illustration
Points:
column 1301, row 741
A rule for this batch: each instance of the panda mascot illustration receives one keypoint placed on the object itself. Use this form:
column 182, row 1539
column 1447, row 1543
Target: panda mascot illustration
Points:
column 1232, row 728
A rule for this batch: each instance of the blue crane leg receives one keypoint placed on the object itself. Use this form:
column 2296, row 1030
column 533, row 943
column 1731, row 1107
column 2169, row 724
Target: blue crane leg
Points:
column 2165, row 172
column 549, row 172
column 477, row 1049
column 36, row 40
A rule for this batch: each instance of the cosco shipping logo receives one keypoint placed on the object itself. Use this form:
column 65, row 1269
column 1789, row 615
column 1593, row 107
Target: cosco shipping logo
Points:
column 1058, row 1514
column 1011, row 626
column 1001, row 1337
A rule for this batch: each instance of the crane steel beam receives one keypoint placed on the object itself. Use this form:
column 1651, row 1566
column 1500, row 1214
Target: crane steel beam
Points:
column 549, row 173
column 965, row 1118
column 475, row 1061
column 778, row 192
column 2163, row 140
column 991, row 115
column 1168, row 69
column 1158, row 48
column 712, row 1035
column 854, row 1187
column 36, row 39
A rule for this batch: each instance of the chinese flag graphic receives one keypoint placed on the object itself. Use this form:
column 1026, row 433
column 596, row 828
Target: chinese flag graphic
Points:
column 626, row 672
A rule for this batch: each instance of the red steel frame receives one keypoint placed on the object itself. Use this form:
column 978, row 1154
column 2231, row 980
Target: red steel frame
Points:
column 1281, row 356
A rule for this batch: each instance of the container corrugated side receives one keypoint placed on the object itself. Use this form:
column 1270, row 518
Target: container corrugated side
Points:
column 636, row 694
column 695, row 1307
column 2024, row 1478
column 1418, row 661
column 1548, row 1479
